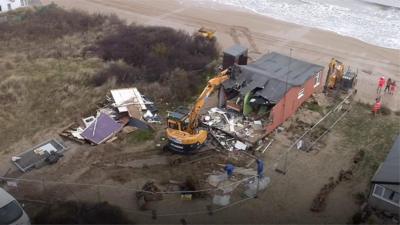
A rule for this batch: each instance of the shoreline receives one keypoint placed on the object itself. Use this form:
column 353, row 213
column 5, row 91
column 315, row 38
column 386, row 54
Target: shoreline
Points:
column 261, row 34
column 244, row 9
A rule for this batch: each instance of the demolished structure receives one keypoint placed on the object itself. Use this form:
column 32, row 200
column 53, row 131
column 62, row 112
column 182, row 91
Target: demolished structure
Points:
column 127, row 110
column 270, row 89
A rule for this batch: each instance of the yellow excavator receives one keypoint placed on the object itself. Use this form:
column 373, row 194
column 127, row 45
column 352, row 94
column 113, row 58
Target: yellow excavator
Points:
column 183, row 133
column 206, row 33
column 335, row 74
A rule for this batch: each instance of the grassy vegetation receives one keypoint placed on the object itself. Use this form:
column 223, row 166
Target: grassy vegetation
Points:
column 56, row 65
column 313, row 106
column 140, row 136
column 373, row 135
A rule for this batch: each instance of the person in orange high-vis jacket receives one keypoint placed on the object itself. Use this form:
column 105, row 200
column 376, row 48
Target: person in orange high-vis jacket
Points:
column 393, row 87
column 381, row 84
column 377, row 106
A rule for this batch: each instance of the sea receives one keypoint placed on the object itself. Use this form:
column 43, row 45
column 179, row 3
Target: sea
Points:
column 373, row 21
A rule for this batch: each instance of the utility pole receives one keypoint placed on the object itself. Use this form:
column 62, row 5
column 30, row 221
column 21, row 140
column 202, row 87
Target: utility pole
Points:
column 286, row 85
column 284, row 169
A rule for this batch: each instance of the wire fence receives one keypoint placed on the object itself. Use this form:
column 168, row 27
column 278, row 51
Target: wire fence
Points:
column 312, row 136
column 152, row 200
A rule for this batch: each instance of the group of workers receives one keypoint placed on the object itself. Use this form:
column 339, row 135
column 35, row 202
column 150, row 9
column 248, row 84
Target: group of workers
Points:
column 390, row 88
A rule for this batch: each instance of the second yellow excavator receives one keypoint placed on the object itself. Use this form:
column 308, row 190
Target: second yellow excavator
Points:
column 335, row 73
column 183, row 133
column 206, row 33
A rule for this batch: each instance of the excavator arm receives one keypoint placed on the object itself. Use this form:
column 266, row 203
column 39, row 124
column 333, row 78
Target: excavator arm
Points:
column 186, row 140
column 208, row 90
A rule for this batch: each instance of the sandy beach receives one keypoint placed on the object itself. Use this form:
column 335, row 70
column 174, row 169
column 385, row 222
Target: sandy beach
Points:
column 261, row 34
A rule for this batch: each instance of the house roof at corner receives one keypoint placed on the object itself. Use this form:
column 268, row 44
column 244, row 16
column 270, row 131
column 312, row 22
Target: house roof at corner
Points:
column 389, row 171
column 273, row 74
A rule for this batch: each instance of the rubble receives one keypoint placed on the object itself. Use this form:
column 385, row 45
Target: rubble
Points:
column 102, row 129
column 126, row 110
column 232, row 130
column 46, row 152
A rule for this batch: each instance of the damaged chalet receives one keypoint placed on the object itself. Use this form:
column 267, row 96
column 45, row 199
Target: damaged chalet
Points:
column 269, row 89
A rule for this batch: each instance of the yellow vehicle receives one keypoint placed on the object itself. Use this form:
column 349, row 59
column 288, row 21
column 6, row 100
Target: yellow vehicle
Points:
column 182, row 132
column 206, row 33
column 335, row 74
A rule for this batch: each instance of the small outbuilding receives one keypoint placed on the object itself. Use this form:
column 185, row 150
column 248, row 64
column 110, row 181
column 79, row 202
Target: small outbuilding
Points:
column 273, row 87
column 385, row 185
column 8, row 5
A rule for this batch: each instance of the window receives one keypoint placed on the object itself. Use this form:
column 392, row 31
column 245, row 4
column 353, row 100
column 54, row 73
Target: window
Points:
column 378, row 190
column 22, row 2
column 317, row 79
column 300, row 94
column 0, row 8
column 386, row 195
column 10, row 213
column 9, row 6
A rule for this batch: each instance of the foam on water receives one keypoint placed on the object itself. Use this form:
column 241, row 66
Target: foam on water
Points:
column 374, row 21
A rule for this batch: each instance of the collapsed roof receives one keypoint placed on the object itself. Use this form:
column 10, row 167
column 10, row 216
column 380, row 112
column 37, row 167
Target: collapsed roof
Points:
column 271, row 76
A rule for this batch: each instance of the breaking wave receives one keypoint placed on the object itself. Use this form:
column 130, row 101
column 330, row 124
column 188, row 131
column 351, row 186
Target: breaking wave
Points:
column 373, row 21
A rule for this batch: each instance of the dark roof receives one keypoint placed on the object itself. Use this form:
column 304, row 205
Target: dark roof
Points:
column 103, row 128
column 236, row 50
column 389, row 171
column 270, row 73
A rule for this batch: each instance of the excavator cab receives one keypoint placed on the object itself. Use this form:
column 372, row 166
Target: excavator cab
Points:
column 206, row 33
column 178, row 119
column 179, row 140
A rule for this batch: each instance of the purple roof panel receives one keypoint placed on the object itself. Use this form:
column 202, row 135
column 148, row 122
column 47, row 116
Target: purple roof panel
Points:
column 103, row 128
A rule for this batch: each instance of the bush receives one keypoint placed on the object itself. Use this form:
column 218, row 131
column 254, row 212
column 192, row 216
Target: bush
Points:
column 385, row 111
column 81, row 213
column 122, row 73
column 155, row 51
column 47, row 23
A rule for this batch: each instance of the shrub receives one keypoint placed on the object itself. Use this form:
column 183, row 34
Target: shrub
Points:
column 81, row 213
column 119, row 70
column 48, row 22
column 156, row 51
column 385, row 111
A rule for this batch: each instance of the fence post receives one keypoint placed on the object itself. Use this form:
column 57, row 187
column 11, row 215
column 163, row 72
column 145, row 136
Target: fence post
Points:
column 210, row 207
column 258, row 186
column 98, row 193
column 154, row 214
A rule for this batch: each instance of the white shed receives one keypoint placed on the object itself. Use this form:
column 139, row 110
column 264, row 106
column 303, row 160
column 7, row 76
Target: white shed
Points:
column 7, row 5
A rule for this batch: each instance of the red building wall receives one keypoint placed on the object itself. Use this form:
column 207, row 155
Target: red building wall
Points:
column 290, row 103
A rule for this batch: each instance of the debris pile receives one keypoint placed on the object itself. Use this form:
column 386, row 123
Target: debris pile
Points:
column 150, row 192
column 48, row 152
column 127, row 110
column 232, row 130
